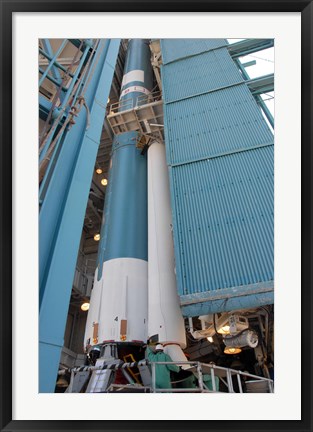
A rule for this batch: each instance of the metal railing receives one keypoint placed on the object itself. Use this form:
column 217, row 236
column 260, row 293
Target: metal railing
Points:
column 131, row 103
column 224, row 374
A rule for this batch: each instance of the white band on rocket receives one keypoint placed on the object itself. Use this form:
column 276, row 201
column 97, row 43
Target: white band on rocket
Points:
column 132, row 89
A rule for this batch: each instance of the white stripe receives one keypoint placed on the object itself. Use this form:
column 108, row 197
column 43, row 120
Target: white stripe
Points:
column 134, row 89
column 134, row 75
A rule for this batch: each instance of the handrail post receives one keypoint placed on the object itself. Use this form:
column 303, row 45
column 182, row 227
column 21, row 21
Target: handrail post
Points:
column 200, row 377
column 153, row 376
column 239, row 382
column 230, row 382
column 213, row 378
column 270, row 386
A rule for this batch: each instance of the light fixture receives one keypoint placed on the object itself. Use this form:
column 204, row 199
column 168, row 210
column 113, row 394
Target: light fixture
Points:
column 61, row 382
column 247, row 338
column 96, row 237
column 222, row 324
column 232, row 350
column 99, row 171
column 85, row 306
column 104, row 182
column 224, row 330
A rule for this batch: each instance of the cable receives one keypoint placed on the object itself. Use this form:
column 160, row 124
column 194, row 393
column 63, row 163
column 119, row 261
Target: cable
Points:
column 214, row 323
column 260, row 58
column 238, row 334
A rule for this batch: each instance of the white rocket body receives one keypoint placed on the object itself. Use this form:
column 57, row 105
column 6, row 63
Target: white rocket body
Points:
column 118, row 303
column 165, row 317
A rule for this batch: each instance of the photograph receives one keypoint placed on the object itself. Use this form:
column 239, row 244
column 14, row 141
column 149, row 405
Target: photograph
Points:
column 156, row 215
column 156, row 167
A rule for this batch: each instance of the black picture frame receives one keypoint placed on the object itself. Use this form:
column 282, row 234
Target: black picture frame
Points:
column 8, row 7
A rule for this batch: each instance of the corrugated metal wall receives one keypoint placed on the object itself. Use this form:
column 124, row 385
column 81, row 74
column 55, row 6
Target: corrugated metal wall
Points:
column 191, row 76
column 220, row 157
column 174, row 49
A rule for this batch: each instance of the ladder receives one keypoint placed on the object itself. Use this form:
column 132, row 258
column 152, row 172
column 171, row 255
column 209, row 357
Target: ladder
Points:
column 129, row 358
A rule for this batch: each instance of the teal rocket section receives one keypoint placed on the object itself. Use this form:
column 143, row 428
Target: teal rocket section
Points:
column 124, row 230
column 138, row 58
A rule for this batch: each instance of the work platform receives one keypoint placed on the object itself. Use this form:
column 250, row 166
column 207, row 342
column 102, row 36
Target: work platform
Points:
column 144, row 115
column 233, row 381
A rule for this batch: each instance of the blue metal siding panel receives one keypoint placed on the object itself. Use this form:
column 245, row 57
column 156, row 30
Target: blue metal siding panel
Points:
column 176, row 228
column 214, row 123
column 220, row 155
column 174, row 49
column 231, row 303
column 224, row 208
column 195, row 75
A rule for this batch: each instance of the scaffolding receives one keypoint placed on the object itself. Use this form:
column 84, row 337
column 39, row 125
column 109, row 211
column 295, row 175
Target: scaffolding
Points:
column 244, row 381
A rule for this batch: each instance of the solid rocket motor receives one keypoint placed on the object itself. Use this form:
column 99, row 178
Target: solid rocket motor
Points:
column 165, row 317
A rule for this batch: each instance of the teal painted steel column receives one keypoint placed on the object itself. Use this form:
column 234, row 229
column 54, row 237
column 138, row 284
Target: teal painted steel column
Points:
column 44, row 150
column 124, row 226
column 66, row 199
column 54, row 187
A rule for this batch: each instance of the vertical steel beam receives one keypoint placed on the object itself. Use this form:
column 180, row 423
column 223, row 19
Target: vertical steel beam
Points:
column 52, row 195
column 66, row 198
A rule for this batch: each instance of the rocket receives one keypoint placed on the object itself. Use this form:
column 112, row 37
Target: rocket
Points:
column 132, row 300
column 119, row 299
